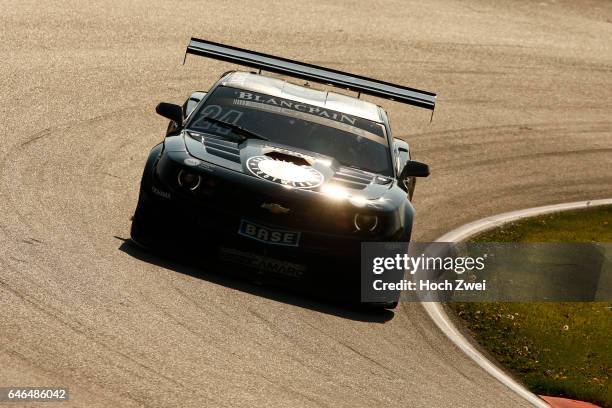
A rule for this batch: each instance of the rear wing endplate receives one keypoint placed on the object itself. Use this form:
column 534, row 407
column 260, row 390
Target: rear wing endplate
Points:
column 283, row 66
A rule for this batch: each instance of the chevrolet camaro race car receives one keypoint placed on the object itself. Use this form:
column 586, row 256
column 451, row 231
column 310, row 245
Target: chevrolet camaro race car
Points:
column 279, row 178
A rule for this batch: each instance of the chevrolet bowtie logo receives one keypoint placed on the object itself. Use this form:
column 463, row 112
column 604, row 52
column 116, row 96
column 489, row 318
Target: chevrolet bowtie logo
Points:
column 275, row 208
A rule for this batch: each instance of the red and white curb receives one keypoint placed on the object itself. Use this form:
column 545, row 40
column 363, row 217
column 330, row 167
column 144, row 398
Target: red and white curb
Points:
column 441, row 319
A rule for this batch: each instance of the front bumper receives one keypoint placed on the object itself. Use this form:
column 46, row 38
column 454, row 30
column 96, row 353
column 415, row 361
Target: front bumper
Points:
column 186, row 222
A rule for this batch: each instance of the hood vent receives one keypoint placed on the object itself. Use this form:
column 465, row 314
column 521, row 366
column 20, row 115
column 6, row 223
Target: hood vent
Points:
column 222, row 148
column 352, row 178
column 299, row 161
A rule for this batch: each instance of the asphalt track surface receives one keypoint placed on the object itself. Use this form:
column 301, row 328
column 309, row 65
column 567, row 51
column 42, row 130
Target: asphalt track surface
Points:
column 524, row 119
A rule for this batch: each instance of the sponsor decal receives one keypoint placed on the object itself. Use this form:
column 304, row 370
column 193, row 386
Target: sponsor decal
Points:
column 268, row 235
column 263, row 264
column 160, row 193
column 285, row 173
column 298, row 106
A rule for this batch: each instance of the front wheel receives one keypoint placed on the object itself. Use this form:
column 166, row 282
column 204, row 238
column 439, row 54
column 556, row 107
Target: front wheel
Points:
column 141, row 231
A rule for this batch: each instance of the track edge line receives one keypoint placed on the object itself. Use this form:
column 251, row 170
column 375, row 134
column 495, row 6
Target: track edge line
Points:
column 441, row 319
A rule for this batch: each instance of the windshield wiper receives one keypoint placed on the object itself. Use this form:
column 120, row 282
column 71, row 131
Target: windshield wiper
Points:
column 240, row 131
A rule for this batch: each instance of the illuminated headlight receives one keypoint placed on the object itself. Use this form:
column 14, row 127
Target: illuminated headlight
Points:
column 189, row 180
column 334, row 191
column 358, row 201
column 365, row 222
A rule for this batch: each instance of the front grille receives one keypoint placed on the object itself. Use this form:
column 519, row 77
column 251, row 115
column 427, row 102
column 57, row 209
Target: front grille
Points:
column 223, row 200
column 352, row 179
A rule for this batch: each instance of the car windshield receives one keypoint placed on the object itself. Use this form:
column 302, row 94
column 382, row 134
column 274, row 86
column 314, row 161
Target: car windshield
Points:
column 353, row 141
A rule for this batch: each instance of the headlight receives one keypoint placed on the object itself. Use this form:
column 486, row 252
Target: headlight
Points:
column 365, row 222
column 188, row 180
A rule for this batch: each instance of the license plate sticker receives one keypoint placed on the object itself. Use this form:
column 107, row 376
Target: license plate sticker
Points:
column 269, row 235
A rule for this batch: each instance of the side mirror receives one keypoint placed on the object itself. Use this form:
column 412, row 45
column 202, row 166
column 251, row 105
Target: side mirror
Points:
column 170, row 111
column 414, row 169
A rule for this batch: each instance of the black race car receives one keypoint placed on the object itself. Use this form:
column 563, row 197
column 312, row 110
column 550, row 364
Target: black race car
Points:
column 280, row 178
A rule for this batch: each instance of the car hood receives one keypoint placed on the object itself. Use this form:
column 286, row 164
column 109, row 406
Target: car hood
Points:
column 287, row 166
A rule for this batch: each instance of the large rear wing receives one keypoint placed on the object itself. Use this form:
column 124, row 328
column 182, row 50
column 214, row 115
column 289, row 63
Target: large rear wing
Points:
column 279, row 65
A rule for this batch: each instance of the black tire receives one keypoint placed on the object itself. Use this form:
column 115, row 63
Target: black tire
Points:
column 382, row 305
column 141, row 232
